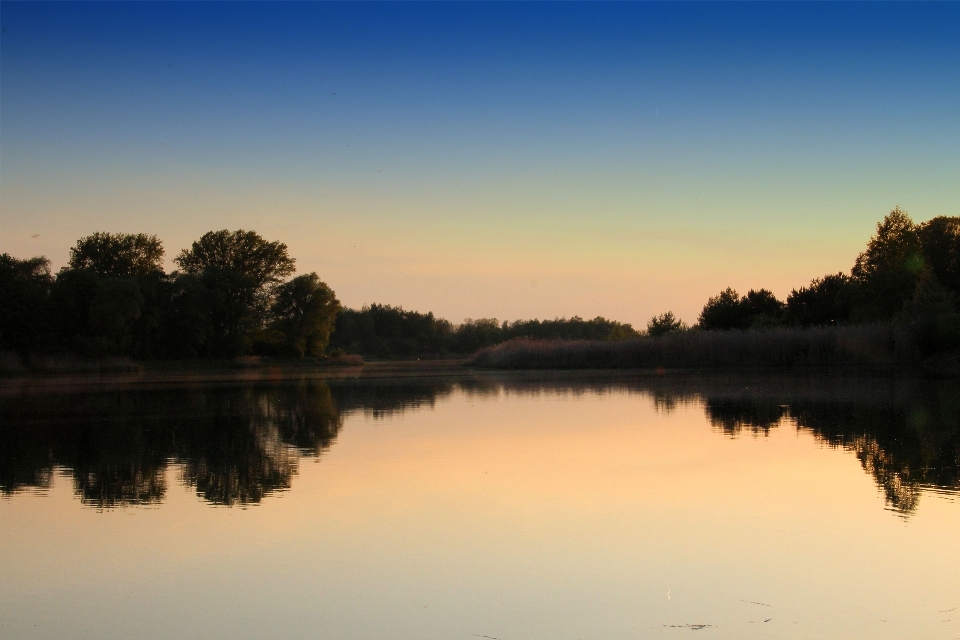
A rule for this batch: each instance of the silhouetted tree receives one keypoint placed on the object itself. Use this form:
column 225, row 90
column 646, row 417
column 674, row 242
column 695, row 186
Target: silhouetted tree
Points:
column 575, row 328
column 727, row 310
column 663, row 324
column 722, row 311
column 114, row 310
column 261, row 262
column 186, row 326
column 828, row 300
column 239, row 271
column 932, row 315
column 761, row 308
column 940, row 241
column 119, row 255
column 71, row 297
column 888, row 270
column 24, row 304
column 384, row 331
column 473, row 335
column 304, row 311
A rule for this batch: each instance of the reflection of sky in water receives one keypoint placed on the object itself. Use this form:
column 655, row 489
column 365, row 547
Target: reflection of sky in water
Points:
column 447, row 509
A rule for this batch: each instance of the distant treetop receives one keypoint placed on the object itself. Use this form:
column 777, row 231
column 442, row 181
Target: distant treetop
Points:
column 119, row 255
column 244, row 252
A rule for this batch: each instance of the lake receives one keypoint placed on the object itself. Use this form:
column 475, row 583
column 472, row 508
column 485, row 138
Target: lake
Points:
column 514, row 507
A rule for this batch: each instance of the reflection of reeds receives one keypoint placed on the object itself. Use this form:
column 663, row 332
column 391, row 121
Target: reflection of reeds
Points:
column 781, row 347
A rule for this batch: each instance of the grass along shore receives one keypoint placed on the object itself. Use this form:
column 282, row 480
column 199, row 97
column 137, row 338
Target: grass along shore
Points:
column 876, row 345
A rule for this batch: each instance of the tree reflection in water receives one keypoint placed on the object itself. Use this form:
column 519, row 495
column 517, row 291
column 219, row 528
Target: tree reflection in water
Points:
column 235, row 445
column 905, row 433
column 238, row 443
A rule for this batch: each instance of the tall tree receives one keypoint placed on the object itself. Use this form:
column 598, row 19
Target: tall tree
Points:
column 828, row 300
column 305, row 310
column 245, row 252
column 117, row 255
column 240, row 271
column 890, row 267
column 940, row 239
column 24, row 301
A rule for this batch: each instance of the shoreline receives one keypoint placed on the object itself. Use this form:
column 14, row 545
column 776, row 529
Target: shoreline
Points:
column 179, row 374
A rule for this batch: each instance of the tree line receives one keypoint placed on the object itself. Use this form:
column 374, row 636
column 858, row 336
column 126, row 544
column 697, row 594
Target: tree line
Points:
column 391, row 332
column 231, row 295
column 909, row 273
column 235, row 293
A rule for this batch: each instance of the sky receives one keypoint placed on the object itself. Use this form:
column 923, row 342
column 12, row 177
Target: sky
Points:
column 504, row 160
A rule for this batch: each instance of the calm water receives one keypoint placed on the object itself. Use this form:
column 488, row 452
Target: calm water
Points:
column 535, row 507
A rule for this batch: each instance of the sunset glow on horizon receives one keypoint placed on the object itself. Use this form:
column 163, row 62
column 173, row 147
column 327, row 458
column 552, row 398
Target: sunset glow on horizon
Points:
column 486, row 160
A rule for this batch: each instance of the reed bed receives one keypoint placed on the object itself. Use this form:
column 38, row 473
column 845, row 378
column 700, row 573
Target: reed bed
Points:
column 869, row 345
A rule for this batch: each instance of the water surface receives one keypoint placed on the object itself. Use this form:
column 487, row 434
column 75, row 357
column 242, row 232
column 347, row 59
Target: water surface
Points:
column 524, row 507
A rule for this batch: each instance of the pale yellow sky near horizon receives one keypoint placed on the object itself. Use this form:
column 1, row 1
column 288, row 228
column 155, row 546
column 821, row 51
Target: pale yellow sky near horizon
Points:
column 510, row 248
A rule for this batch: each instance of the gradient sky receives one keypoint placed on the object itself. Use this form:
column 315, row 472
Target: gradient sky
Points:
column 486, row 160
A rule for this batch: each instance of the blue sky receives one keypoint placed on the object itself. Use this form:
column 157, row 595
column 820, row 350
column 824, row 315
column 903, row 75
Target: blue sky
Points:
column 478, row 160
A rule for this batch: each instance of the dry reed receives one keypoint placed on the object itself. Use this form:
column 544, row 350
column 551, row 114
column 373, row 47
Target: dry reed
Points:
column 869, row 345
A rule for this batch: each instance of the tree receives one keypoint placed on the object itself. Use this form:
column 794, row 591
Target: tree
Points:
column 828, row 300
column 118, row 255
column 305, row 310
column 185, row 328
column 473, row 335
column 727, row 310
column 261, row 262
column 890, row 267
column 71, row 296
column 391, row 332
column 239, row 271
column 761, row 308
column 114, row 310
column 940, row 242
column 722, row 311
column 24, row 310
column 663, row 324
column 932, row 316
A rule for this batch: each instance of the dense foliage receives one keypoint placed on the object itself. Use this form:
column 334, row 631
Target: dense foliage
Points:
column 114, row 299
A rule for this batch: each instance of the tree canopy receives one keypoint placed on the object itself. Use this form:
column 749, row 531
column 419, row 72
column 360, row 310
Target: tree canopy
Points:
column 239, row 269
column 890, row 267
column 305, row 309
column 663, row 324
column 245, row 252
column 119, row 255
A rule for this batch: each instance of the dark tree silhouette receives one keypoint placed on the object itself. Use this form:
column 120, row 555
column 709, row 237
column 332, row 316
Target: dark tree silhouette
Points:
column 256, row 260
column 940, row 239
column 828, row 300
column 119, row 255
column 722, row 311
column 663, row 324
column 890, row 267
column 239, row 271
column 761, row 308
column 304, row 312
column 24, row 304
